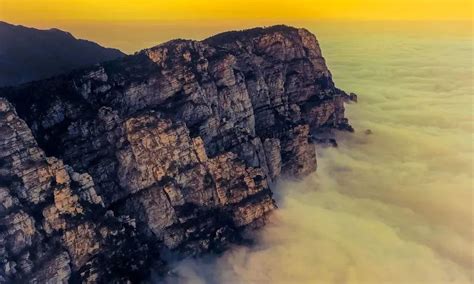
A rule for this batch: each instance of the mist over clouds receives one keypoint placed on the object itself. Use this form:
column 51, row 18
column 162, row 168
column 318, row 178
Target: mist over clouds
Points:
column 395, row 206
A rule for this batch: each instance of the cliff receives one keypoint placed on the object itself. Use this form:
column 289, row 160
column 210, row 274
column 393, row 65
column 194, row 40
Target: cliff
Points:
column 28, row 54
column 173, row 147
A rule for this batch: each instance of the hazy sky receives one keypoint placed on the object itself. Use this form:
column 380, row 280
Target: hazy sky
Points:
column 134, row 25
column 51, row 11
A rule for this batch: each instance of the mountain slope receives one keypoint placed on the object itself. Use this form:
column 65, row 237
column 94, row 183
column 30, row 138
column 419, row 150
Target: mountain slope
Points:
column 181, row 142
column 28, row 54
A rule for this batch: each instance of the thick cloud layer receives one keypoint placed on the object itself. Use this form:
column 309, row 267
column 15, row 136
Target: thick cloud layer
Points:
column 395, row 206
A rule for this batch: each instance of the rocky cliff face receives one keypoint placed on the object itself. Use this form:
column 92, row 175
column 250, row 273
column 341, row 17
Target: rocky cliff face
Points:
column 174, row 147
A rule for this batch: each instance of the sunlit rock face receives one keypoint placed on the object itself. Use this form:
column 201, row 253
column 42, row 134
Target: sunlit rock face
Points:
column 391, row 204
column 179, row 144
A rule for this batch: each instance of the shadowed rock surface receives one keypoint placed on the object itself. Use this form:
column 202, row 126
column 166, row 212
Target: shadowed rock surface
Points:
column 28, row 54
column 174, row 147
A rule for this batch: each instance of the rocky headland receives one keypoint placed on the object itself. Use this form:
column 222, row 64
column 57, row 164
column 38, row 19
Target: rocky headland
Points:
column 175, row 147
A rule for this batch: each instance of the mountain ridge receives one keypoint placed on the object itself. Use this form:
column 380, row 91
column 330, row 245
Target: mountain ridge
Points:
column 176, row 146
column 29, row 54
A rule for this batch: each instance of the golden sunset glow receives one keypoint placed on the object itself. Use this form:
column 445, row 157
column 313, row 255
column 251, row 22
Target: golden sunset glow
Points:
column 50, row 11
column 133, row 25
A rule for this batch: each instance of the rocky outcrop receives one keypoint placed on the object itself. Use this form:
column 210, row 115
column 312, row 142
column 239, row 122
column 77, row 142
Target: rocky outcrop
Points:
column 174, row 147
column 53, row 222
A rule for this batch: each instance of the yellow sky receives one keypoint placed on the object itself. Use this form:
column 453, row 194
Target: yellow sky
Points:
column 51, row 11
column 132, row 25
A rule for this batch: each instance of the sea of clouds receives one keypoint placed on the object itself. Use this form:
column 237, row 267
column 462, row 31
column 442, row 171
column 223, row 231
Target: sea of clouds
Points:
column 395, row 206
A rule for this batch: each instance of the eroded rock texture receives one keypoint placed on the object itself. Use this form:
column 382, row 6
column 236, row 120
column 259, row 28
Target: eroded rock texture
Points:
column 175, row 146
column 53, row 222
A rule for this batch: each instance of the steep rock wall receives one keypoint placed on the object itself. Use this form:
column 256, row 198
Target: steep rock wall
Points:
column 183, row 140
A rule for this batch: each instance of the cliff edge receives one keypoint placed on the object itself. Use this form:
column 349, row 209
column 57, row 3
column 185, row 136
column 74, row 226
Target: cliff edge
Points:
column 173, row 147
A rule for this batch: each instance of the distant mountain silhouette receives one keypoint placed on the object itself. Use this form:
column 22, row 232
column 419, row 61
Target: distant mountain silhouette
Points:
column 28, row 54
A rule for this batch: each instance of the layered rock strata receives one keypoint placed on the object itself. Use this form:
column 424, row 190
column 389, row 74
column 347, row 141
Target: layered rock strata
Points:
column 174, row 147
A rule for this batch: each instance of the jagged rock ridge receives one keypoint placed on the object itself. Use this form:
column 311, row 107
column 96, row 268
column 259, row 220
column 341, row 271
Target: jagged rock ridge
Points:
column 178, row 143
